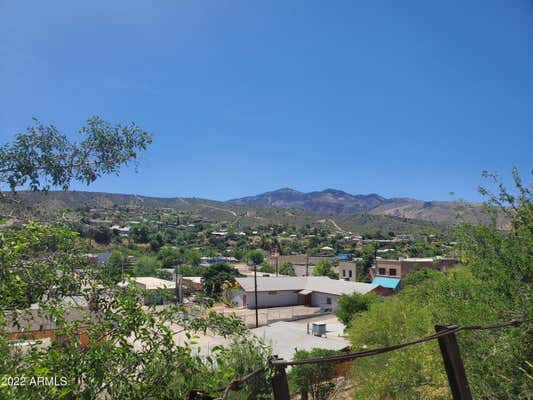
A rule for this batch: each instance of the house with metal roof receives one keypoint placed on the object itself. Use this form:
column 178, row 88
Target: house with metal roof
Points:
column 156, row 289
column 387, row 282
column 317, row 291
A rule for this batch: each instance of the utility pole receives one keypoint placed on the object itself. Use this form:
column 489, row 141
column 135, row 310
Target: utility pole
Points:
column 255, row 294
column 307, row 265
column 177, row 274
column 277, row 264
column 176, row 284
column 375, row 259
column 177, row 271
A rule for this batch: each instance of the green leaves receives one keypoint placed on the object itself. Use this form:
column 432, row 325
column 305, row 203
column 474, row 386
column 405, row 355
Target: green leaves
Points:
column 215, row 275
column 351, row 304
column 313, row 379
column 493, row 284
column 42, row 157
column 125, row 350
column 325, row 268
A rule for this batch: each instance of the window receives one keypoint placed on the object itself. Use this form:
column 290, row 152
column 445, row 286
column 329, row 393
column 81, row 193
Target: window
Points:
column 343, row 272
column 328, row 300
column 392, row 271
column 350, row 273
column 381, row 271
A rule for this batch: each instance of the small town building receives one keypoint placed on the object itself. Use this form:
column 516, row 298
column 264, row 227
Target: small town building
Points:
column 302, row 263
column 34, row 325
column 403, row 266
column 157, row 290
column 317, row 291
column 388, row 283
column 99, row 258
column 215, row 259
column 347, row 269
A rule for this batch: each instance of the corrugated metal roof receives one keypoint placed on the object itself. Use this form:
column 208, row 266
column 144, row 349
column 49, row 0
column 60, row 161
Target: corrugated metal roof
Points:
column 151, row 283
column 389, row 283
column 320, row 284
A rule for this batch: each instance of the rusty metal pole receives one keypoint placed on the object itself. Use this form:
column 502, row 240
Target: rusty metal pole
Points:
column 280, row 384
column 453, row 364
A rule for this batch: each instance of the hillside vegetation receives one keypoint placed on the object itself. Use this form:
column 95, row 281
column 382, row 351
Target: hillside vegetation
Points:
column 331, row 201
column 45, row 205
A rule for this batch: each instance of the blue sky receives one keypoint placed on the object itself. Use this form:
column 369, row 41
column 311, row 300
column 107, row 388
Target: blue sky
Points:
column 402, row 99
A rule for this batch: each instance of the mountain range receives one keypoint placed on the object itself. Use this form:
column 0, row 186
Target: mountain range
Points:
column 336, row 202
column 336, row 209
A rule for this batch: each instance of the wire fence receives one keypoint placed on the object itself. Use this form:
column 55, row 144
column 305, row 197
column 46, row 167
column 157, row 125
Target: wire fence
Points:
column 444, row 334
column 268, row 316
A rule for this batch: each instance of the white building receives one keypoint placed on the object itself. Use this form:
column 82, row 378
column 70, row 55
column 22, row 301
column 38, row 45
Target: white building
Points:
column 157, row 290
column 317, row 291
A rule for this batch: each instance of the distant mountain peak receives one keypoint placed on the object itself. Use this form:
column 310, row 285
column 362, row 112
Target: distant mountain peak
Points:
column 285, row 190
column 336, row 192
column 327, row 201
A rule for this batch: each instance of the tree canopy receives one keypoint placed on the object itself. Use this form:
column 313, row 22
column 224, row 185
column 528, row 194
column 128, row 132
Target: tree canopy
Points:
column 494, row 284
column 215, row 275
column 351, row 304
column 325, row 268
column 107, row 345
column 42, row 157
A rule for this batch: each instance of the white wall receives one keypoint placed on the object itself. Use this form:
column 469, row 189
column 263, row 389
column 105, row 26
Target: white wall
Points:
column 235, row 297
column 320, row 300
column 280, row 299
column 271, row 299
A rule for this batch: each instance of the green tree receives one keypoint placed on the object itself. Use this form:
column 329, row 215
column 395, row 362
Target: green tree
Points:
column 168, row 256
column 493, row 285
column 42, row 157
column 368, row 254
column 287, row 269
column 147, row 265
column 420, row 276
column 266, row 268
column 256, row 257
column 101, row 235
column 325, row 268
column 313, row 379
column 117, row 262
column 351, row 304
column 130, row 351
column 191, row 270
column 215, row 275
column 140, row 233
column 191, row 256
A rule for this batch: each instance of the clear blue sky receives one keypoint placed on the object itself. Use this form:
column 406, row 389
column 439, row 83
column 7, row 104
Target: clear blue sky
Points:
column 410, row 98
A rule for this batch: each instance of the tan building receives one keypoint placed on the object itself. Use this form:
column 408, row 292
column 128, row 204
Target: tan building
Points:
column 302, row 263
column 34, row 325
column 156, row 290
column 400, row 268
column 347, row 270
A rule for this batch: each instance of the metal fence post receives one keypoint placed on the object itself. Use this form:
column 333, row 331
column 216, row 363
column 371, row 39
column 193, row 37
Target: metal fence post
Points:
column 280, row 384
column 453, row 364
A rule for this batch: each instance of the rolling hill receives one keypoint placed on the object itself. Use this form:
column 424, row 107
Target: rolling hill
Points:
column 242, row 213
column 337, row 202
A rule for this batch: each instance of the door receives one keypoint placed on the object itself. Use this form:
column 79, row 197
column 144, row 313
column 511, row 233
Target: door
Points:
column 244, row 300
